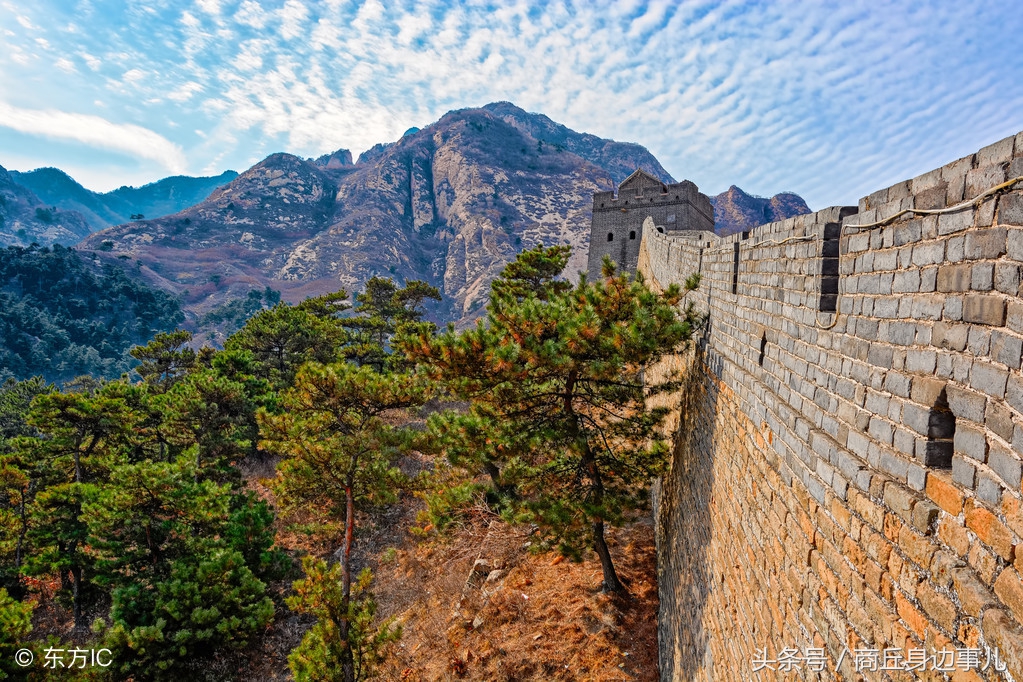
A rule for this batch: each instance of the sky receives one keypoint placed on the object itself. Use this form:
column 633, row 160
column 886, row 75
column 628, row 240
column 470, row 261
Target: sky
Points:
column 829, row 100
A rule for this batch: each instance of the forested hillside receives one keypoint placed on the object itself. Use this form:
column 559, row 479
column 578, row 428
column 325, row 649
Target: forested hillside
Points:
column 220, row 514
column 62, row 315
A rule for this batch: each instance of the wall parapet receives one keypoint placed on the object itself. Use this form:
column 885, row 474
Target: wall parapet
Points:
column 860, row 432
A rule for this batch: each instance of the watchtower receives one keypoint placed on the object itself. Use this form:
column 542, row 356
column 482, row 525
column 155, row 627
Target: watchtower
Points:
column 617, row 225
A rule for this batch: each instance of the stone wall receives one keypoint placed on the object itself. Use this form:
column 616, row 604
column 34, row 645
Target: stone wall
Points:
column 847, row 467
column 618, row 220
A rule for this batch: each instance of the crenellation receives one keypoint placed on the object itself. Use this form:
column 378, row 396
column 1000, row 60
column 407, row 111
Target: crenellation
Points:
column 857, row 418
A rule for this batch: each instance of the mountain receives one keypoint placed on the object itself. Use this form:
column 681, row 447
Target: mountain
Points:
column 737, row 211
column 619, row 159
column 25, row 218
column 163, row 197
column 451, row 204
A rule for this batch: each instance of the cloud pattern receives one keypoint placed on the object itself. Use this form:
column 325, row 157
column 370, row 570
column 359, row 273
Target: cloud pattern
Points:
column 829, row 100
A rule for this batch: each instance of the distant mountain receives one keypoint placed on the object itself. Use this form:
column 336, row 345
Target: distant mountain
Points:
column 737, row 211
column 25, row 218
column 169, row 195
column 451, row 204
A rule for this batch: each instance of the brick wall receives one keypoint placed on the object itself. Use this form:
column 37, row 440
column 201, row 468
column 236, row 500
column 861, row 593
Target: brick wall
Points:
column 619, row 220
column 847, row 466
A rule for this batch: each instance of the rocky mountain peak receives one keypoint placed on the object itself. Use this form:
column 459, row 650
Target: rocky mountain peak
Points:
column 738, row 211
column 450, row 204
column 342, row 158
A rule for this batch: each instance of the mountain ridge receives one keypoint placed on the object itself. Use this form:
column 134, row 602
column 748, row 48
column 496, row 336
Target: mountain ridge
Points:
column 450, row 204
column 168, row 195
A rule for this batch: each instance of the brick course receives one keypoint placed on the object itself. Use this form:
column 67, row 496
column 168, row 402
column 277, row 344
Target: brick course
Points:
column 848, row 479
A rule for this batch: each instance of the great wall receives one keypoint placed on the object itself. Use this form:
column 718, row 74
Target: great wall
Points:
column 847, row 460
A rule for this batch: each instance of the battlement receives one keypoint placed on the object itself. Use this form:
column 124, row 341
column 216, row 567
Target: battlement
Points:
column 848, row 463
column 619, row 218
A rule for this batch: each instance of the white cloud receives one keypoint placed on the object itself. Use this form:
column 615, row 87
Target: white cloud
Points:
column 185, row 92
column 293, row 17
column 211, row 7
column 251, row 14
column 92, row 62
column 95, row 131
column 829, row 101
column 65, row 65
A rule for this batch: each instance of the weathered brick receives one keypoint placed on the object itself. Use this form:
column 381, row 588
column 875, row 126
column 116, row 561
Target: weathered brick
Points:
column 1010, row 211
column 937, row 606
column 1006, row 348
column 963, row 471
column 951, row 336
column 929, row 253
column 954, row 536
column 1009, row 589
column 981, row 179
column 989, row 243
column 1005, row 464
column 989, row 529
column 1001, row 632
column 986, row 309
column 955, row 277
column 971, row 442
column 917, row 547
column 983, row 277
column 944, row 493
column 997, row 153
column 1012, row 509
column 900, row 501
column 998, row 418
column 973, row 594
column 989, row 378
column 910, row 615
column 1007, row 278
column 924, row 514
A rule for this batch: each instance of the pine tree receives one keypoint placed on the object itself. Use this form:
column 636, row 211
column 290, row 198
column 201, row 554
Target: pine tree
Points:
column 554, row 376
column 381, row 309
column 165, row 359
column 83, row 437
column 324, row 650
column 284, row 337
column 340, row 453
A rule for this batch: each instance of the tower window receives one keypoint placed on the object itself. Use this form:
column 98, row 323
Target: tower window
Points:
column 735, row 268
column 936, row 451
column 661, row 230
column 829, row 268
column 632, row 234
column 610, row 236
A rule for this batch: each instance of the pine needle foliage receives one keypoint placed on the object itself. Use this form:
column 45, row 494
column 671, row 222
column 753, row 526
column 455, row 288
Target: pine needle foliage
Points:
column 321, row 655
column 558, row 411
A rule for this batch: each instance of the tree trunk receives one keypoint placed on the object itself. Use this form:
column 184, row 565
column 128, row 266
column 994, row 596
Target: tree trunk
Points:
column 347, row 660
column 76, row 584
column 611, row 582
column 494, row 473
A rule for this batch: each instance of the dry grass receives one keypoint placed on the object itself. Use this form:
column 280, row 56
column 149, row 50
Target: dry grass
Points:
column 519, row 616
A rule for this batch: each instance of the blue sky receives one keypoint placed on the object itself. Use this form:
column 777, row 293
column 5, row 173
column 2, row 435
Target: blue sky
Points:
column 830, row 100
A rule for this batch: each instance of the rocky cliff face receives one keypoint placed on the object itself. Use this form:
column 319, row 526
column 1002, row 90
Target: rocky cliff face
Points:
column 450, row 204
column 737, row 211
column 25, row 219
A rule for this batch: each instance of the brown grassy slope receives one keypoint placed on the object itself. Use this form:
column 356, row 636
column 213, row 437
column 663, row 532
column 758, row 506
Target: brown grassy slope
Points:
column 476, row 604
column 480, row 606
